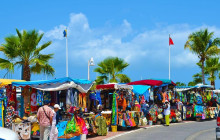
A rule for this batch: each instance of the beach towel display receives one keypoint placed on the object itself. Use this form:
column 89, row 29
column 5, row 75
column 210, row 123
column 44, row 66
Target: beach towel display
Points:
column 1, row 113
column 33, row 100
column 47, row 97
column 114, row 109
column 198, row 111
column 39, row 98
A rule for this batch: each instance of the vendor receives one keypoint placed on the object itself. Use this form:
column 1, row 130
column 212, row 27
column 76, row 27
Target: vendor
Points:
column 167, row 112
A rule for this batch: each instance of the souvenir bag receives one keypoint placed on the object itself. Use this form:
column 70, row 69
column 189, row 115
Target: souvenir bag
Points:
column 78, row 126
column 71, row 127
column 84, row 128
column 61, row 126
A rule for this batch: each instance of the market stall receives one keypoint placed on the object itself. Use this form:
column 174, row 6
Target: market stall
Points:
column 69, row 93
column 199, row 102
column 120, row 100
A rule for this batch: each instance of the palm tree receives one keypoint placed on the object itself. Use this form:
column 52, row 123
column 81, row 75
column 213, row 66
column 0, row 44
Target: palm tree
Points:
column 180, row 84
column 204, row 45
column 110, row 70
column 24, row 50
column 191, row 83
column 212, row 67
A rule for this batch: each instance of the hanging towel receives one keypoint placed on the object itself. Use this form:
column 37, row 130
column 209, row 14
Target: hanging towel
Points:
column 98, row 97
column 68, row 97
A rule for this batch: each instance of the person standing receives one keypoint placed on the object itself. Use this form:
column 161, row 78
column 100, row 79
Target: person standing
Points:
column 54, row 130
column 167, row 113
column 45, row 117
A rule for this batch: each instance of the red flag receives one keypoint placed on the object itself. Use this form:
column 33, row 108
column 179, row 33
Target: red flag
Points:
column 170, row 41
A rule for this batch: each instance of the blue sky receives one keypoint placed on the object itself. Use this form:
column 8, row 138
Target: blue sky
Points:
column 134, row 30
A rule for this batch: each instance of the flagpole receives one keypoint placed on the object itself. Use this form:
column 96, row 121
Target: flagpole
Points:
column 67, row 75
column 169, row 58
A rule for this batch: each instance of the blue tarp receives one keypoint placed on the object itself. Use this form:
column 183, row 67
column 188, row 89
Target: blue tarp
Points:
column 140, row 90
column 60, row 80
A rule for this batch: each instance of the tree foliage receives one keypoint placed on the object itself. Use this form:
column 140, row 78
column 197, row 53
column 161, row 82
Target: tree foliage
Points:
column 110, row 70
column 24, row 50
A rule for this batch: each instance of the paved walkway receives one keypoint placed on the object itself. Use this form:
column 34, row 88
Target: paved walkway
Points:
column 112, row 135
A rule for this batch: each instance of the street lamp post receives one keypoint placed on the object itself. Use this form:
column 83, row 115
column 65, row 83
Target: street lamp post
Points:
column 90, row 63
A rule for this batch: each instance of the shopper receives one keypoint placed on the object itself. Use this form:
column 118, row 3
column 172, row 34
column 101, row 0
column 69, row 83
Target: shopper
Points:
column 54, row 130
column 167, row 113
column 45, row 117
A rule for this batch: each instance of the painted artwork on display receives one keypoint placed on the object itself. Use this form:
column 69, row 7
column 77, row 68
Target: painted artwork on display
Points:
column 22, row 129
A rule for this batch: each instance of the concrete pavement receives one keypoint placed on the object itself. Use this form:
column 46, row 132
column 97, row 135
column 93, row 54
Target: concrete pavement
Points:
column 204, row 130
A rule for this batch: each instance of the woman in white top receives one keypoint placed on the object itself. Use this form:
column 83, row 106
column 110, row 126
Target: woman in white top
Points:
column 54, row 131
column 167, row 113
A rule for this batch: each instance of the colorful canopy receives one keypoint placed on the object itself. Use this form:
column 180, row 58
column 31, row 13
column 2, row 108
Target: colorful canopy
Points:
column 147, row 82
column 114, row 86
column 5, row 82
column 57, row 84
column 165, row 81
column 105, row 86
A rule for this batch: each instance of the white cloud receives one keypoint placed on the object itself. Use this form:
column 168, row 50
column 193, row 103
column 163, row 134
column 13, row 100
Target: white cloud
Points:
column 56, row 33
column 151, row 45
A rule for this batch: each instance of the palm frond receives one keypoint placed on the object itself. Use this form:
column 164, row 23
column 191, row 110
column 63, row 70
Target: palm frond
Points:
column 123, row 78
column 6, row 64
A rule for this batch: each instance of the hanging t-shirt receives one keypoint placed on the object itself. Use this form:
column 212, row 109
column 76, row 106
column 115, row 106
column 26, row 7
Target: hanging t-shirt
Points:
column 47, row 97
column 68, row 97
column 33, row 100
column 164, row 97
column 39, row 98
column 151, row 94
column 98, row 96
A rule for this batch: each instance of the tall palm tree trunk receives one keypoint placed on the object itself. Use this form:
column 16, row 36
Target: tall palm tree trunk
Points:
column 203, row 73
column 213, row 83
column 26, row 77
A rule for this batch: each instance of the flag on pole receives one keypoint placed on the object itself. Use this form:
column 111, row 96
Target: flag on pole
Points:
column 65, row 33
column 170, row 41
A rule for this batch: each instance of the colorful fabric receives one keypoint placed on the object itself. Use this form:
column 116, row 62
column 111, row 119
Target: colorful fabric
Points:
column 39, row 98
column 10, row 112
column 33, row 100
column 114, row 109
column 164, row 97
column 98, row 97
column 101, row 126
column 71, row 126
column 47, row 97
column 61, row 126
column 1, row 113
column 198, row 99
column 198, row 111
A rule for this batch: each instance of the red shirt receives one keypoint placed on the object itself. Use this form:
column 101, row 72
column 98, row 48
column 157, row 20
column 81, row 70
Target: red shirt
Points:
column 43, row 119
